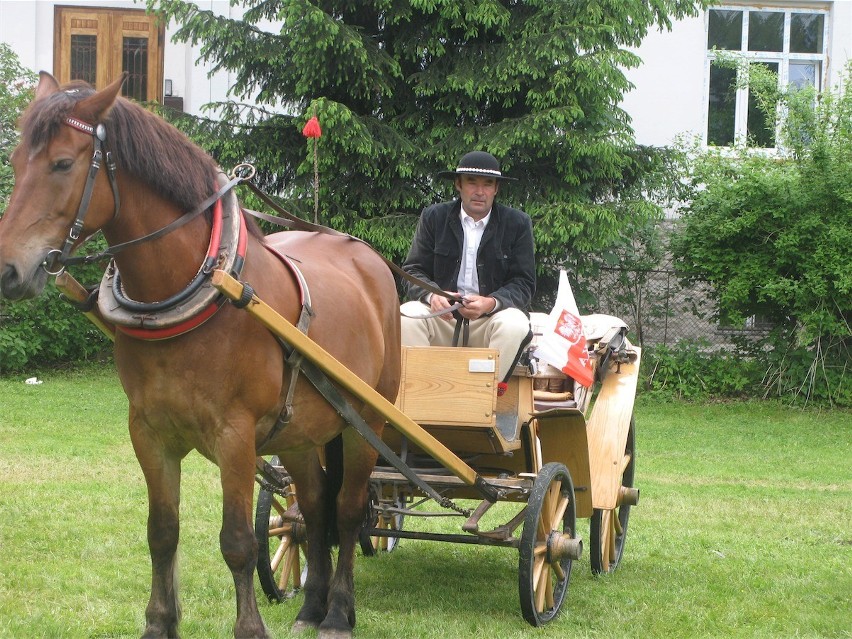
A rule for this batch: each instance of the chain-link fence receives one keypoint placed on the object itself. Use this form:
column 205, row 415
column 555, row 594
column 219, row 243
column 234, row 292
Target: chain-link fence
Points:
column 658, row 309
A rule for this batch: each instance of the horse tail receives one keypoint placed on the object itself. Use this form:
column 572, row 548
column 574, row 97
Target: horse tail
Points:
column 333, row 483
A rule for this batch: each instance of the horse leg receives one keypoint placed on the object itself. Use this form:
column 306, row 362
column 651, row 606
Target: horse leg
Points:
column 162, row 476
column 310, row 481
column 360, row 458
column 236, row 538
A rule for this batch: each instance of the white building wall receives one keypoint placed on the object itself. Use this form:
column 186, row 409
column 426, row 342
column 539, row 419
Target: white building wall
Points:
column 668, row 98
column 670, row 94
column 840, row 45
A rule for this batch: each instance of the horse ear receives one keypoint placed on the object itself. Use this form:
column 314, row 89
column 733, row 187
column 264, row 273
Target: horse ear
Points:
column 95, row 108
column 47, row 85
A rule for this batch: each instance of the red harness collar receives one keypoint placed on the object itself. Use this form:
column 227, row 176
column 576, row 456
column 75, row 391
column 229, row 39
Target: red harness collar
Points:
column 206, row 313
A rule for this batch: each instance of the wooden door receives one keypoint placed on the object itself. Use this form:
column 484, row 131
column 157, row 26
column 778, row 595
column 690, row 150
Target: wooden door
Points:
column 97, row 44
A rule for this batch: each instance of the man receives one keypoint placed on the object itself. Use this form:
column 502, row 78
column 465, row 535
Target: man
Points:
column 478, row 250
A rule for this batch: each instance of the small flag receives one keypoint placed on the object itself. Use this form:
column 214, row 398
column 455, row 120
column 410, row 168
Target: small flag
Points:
column 563, row 342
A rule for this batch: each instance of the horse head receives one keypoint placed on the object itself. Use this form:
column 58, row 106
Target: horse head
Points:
column 51, row 166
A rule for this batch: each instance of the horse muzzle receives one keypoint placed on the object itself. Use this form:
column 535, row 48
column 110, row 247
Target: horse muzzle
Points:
column 15, row 285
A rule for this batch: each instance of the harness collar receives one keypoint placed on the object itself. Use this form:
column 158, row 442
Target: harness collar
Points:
column 198, row 302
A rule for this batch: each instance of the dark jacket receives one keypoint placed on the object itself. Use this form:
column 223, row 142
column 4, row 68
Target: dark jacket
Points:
column 505, row 263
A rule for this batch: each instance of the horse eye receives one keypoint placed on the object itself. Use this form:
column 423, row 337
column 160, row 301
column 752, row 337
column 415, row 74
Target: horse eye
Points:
column 62, row 165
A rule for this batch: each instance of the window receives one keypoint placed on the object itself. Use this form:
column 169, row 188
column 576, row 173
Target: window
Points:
column 791, row 42
column 96, row 45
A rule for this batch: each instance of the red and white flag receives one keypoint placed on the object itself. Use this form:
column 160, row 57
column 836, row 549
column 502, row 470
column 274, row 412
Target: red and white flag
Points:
column 563, row 342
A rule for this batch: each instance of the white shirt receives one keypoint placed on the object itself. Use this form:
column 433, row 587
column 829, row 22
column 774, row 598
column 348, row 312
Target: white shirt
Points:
column 468, row 280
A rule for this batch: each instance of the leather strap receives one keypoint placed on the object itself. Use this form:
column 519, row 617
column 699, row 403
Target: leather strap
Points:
column 462, row 330
column 173, row 226
column 288, row 220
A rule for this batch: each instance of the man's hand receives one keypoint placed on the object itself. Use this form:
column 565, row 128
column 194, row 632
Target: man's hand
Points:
column 475, row 306
column 440, row 303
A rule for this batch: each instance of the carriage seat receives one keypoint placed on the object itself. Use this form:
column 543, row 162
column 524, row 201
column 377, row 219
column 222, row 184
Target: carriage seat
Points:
column 452, row 393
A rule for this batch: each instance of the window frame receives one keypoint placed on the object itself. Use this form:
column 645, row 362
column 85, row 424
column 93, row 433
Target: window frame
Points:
column 782, row 59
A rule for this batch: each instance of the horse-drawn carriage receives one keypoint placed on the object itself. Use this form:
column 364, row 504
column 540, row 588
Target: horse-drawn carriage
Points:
column 557, row 449
column 309, row 366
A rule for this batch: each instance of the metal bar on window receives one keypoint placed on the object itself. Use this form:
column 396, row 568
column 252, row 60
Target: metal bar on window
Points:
column 134, row 60
column 84, row 58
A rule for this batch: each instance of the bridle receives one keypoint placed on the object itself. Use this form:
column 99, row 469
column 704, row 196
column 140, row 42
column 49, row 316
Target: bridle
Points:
column 62, row 257
column 98, row 133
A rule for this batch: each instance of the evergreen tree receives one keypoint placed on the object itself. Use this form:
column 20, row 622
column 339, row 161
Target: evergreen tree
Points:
column 403, row 88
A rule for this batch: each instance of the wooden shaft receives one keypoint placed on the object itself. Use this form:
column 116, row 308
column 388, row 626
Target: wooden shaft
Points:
column 267, row 316
column 73, row 290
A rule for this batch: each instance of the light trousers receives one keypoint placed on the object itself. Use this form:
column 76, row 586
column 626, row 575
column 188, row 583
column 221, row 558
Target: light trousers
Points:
column 504, row 331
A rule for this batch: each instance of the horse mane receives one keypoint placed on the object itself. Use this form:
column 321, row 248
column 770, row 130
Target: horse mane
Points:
column 143, row 145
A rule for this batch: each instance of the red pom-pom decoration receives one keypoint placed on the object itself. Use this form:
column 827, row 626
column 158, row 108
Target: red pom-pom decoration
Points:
column 312, row 128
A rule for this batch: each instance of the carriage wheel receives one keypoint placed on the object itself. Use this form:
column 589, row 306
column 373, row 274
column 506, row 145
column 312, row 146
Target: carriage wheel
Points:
column 548, row 544
column 282, row 550
column 608, row 528
column 372, row 545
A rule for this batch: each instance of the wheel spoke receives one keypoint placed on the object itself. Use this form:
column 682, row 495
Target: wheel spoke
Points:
column 610, row 540
column 557, row 568
column 292, row 552
column 541, row 587
column 297, row 565
column 559, row 512
column 611, row 529
column 279, row 553
column 619, row 529
column 549, row 508
column 548, row 591
column 538, row 567
column 625, row 462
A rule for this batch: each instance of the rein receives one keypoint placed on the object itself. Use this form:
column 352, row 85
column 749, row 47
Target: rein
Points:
column 63, row 259
column 290, row 221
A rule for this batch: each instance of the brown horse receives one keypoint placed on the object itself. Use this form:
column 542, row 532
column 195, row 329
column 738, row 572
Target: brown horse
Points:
column 220, row 387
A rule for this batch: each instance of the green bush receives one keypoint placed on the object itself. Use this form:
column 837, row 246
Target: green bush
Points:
column 16, row 91
column 772, row 235
column 46, row 332
column 689, row 370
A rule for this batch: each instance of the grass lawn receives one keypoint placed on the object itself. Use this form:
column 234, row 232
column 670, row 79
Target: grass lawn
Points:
column 742, row 530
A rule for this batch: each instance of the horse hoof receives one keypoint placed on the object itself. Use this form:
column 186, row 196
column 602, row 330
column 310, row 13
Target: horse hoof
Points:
column 300, row 626
column 155, row 633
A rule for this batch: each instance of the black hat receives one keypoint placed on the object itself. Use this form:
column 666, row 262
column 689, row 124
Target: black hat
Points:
column 477, row 163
